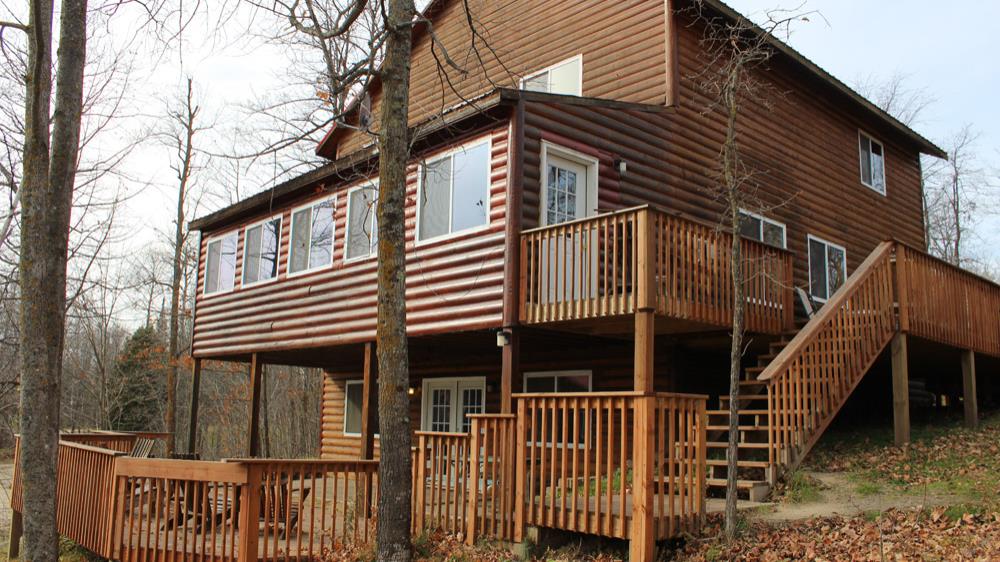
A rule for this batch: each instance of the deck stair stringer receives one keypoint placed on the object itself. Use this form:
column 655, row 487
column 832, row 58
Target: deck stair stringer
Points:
column 789, row 399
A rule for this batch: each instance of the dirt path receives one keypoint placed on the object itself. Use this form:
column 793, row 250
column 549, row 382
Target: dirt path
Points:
column 839, row 496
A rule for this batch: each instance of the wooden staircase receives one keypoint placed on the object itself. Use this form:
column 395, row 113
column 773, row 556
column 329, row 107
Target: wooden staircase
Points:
column 796, row 389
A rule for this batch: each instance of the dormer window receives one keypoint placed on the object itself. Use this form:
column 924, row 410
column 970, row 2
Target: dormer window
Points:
column 872, row 163
column 565, row 77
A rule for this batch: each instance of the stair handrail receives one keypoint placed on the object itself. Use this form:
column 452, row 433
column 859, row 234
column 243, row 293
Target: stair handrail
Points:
column 809, row 332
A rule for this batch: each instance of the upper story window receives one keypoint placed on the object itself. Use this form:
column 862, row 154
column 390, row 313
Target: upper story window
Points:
column 220, row 264
column 762, row 229
column 312, row 237
column 454, row 191
column 872, row 163
column 260, row 251
column 362, row 224
column 565, row 77
column 827, row 268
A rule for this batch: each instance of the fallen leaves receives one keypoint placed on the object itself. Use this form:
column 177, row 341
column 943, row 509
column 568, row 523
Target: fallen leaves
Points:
column 892, row 535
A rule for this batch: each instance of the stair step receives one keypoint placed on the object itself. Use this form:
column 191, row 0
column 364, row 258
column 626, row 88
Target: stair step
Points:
column 753, row 382
column 740, row 428
column 740, row 463
column 754, row 370
column 741, row 445
column 742, row 412
column 741, row 484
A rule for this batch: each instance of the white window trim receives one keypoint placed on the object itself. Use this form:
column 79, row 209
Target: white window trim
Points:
column 277, row 255
column 885, row 184
column 488, row 138
column 425, row 395
column 772, row 222
column 550, row 68
column 565, row 373
column 372, row 249
column 333, row 238
column 810, row 238
column 348, row 383
column 593, row 168
column 208, row 242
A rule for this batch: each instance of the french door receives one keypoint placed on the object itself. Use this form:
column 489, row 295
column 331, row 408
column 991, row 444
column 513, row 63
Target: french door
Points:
column 447, row 403
column 569, row 268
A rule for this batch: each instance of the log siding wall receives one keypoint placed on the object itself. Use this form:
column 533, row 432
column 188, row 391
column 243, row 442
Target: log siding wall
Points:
column 622, row 44
column 806, row 146
column 455, row 283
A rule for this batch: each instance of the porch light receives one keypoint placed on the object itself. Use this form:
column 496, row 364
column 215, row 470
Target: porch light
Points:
column 411, row 391
column 503, row 338
column 621, row 166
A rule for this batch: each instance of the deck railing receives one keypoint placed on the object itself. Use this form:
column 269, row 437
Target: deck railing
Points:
column 592, row 268
column 944, row 303
column 596, row 462
column 813, row 375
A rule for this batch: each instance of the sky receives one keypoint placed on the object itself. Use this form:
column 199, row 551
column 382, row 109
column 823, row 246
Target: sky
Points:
column 947, row 51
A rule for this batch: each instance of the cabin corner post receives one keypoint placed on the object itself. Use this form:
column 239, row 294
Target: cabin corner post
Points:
column 969, row 403
column 645, row 302
column 643, row 539
column 513, row 269
column 256, row 368
column 900, row 389
column 193, row 418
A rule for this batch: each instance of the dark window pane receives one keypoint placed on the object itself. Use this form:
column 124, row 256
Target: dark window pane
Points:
column 817, row 269
column 270, row 238
column 836, row 270
column 774, row 235
column 750, row 227
column 540, row 384
column 866, row 160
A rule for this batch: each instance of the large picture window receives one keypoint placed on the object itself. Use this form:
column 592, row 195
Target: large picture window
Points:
column 454, row 192
column 312, row 237
column 260, row 251
column 355, row 391
column 362, row 224
column 827, row 268
column 762, row 229
column 220, row 264
column 565, row 78
column 872, row 163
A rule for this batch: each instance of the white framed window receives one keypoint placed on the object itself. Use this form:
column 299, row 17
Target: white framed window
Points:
column 261, row 244
column 448, row 402
column 762, row 229
column 454, row 191
column 558, row 381
column 362, row 223
column 565, row 77
column 827, row 267
column 354, row 394
column 311, row 244
column 220, row 264
column 872, row 156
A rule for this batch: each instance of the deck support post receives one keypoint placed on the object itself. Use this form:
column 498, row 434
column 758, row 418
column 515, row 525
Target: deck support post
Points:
column 369, row 400
column 16, row 532
column 510, row 369
column 900, row 389
column 969, row 389
column 193, row 419
column 645, row 305
column 642, row 545
column 255, row 375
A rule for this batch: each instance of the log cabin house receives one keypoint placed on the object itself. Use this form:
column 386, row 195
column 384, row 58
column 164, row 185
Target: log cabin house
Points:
column 568, row 293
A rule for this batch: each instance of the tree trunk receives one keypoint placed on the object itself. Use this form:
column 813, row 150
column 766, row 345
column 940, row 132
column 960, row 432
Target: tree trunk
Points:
column 393, row 360
column 47, row 193
column 731, row 173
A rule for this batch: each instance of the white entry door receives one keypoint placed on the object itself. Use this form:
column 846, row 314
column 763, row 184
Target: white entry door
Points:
column 570, row 268
column 447, row 403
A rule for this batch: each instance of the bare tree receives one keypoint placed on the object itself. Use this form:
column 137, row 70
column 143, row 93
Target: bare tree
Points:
column 46, row 197
column 736, row 50
column 952, row 189
column 896, row 97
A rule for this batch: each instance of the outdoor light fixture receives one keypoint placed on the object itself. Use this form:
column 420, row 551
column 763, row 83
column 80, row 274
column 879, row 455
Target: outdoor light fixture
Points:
column 411, row 391
column 621, row 166
column 503, row 338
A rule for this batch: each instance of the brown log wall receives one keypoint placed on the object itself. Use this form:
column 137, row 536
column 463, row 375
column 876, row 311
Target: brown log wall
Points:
column 622, row 44
column 452, row 284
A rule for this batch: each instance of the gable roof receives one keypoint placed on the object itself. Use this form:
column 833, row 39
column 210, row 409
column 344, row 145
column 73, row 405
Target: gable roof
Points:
column 327, row 146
